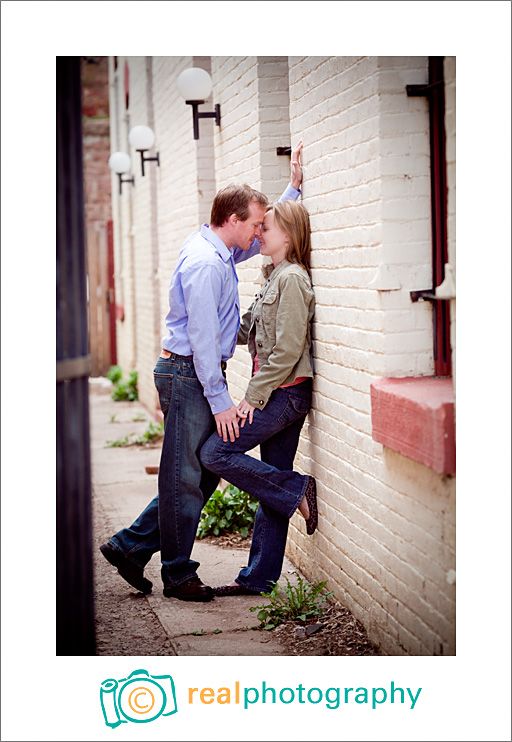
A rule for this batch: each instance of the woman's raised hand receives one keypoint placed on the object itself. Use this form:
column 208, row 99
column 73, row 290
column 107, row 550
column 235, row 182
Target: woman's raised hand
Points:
column 296, row 170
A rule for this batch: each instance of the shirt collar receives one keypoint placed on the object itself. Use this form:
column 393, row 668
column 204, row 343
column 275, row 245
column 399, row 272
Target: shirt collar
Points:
column 218, row 244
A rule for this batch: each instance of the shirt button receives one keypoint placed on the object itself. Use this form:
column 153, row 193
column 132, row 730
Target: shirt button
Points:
column 260, row 345
column 261, row 401
column 257, row 319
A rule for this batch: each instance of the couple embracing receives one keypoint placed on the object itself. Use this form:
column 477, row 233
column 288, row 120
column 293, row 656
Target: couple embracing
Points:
column 206, row 435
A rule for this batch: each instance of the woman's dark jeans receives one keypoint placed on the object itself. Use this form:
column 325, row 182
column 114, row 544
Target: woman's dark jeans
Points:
column 169, row 523
column 276, row 429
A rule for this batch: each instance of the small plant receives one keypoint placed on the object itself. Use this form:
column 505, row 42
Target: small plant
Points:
column 113, row 419
column 300, row 602
column 121, row 442
column 231, row 510
column 114, row 374
column 126, row 390
column 152, row 433
column 123, row 390
column 138, row 418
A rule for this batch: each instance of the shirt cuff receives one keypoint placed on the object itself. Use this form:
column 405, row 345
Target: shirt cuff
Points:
column 290, row 194
column 220, row 402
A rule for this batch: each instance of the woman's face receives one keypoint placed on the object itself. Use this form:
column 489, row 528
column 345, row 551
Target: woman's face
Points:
column 273, row 241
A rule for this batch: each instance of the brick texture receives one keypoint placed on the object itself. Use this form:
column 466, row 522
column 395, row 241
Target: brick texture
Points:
column 386, row 538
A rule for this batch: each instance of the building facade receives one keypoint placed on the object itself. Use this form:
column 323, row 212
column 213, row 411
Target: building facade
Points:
column 380, row 436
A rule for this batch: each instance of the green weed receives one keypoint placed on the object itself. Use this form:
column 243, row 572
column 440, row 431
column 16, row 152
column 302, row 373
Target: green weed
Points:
column 231, row 510
column 123, row 390
column 301, row 601
column 153, row 432
column 115, row 374
column 120, row 442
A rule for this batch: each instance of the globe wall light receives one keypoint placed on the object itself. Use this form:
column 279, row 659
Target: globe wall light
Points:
column 142, row 138
column 195, row 85
column 120, row 163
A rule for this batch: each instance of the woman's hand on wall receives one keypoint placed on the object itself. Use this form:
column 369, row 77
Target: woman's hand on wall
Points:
column 296, row 170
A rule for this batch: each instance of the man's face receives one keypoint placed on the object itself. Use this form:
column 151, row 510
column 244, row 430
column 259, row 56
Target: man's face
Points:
column 246, row 232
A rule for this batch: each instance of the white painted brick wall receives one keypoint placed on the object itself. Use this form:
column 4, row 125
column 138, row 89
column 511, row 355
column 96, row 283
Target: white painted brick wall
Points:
column 143, row 215
column 184, row 186
column 122, row 206
column 386, row 534
column 253, row 93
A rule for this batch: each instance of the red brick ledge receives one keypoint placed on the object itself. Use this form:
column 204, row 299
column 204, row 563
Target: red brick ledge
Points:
column 416, row 417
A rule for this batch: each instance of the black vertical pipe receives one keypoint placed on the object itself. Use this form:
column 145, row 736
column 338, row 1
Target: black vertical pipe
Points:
column 439, row 198
column 434, row 91
column 75, row 597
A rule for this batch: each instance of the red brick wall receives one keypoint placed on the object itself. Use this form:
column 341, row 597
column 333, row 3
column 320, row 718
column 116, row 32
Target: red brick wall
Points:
column 96, row 140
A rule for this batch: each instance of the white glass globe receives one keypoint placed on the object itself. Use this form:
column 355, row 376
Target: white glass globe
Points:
column 195, row 84
column 119, row 162
column 141, row 137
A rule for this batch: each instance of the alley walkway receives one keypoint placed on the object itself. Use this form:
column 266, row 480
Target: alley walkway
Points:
column 127, row 622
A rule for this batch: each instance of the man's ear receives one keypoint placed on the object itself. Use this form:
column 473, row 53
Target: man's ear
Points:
column 233, row 220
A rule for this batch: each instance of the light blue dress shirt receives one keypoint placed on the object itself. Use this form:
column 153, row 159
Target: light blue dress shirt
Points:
column 204, row 315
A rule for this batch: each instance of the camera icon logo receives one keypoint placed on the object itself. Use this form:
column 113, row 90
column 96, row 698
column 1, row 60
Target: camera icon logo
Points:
column 140, row 698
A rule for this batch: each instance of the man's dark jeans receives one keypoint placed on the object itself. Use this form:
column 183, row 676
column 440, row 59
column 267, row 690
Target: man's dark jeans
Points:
column 276, row 429
column 169, row 523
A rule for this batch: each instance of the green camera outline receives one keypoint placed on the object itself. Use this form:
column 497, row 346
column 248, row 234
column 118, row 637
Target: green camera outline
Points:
column 112, row 689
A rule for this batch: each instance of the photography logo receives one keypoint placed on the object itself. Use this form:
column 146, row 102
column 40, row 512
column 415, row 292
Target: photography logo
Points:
column 140, row 697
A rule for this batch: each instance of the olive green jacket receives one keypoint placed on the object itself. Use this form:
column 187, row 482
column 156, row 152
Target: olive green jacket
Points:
column 277, row 328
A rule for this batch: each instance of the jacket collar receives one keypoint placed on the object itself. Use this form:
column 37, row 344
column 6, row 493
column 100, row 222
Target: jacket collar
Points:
column 269, row 270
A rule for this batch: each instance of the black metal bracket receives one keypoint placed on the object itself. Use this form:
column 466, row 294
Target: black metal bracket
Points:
column 124, row 180
column 196, row 115
column 414, row 91
column 426, row 295
column 284, row 151
column 148, row 159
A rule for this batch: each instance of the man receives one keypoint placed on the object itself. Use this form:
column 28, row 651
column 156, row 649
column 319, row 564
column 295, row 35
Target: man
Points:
column 202, row 324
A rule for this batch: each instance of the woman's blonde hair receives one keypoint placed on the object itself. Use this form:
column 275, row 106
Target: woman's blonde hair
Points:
column 293, row 219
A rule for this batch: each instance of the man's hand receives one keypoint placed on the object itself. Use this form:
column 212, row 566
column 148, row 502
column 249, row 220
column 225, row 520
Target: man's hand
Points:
column 296, row 170
column 245, row 410
column 227, row 424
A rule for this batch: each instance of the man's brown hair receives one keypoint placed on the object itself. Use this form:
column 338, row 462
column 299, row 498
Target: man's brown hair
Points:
column 234, row 199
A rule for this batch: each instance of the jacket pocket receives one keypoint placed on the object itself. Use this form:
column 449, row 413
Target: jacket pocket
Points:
column 269, row 305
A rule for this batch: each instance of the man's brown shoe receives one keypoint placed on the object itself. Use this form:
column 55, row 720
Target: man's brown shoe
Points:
column 132, row 573
column 192, row 589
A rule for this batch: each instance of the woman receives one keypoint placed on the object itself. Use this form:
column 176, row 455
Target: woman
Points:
column 277, row 330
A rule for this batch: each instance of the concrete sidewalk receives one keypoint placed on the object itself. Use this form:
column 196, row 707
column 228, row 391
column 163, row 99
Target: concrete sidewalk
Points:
column 121, row 489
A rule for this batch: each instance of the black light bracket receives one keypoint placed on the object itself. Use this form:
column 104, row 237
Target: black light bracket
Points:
column 148, row 159
column 124, row 180
column 196, row 114
column 283, row 151
column 427, row 295
column 415, row 91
